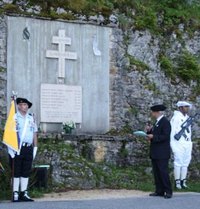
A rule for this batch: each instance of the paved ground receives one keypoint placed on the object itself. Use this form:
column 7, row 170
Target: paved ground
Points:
column 179, row 201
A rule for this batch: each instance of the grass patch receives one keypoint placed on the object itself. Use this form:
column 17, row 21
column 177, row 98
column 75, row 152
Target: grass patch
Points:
column 167, row 66
column 188, row 67
column 140, row 66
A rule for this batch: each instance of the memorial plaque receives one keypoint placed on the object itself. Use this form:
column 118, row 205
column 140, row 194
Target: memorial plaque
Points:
column 61, row 103
column 61, row 53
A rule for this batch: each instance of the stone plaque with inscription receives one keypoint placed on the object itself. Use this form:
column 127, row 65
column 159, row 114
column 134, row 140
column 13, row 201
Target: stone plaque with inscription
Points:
column 71, row 61
column 61, row 103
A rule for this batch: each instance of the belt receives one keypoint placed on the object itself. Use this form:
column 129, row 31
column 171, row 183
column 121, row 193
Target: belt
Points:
column 24, row 144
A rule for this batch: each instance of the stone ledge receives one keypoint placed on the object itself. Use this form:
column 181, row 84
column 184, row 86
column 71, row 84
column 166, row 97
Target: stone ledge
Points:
column 85, row 137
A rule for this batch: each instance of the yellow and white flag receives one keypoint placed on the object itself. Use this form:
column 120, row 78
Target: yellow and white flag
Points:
column 10, row 136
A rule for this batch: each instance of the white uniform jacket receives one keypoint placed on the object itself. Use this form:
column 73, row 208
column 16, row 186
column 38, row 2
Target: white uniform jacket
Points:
column 182, row 149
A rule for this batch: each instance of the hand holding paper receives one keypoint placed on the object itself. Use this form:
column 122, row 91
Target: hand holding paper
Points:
column 140, row 133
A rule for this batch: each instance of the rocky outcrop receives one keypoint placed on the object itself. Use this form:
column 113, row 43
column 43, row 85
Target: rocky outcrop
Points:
column 138, row 80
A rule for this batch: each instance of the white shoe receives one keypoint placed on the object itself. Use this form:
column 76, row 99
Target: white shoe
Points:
column 183, row 184
column 15, row 197
column 178, row 184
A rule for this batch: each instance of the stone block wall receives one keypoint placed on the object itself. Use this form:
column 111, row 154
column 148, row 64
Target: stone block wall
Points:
column 88, row 161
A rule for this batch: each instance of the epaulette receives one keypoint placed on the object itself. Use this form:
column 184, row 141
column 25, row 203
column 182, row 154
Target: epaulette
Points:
column 33, row 115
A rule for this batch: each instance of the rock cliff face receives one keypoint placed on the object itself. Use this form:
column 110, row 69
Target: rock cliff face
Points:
column 138, row 79
column 3, row 34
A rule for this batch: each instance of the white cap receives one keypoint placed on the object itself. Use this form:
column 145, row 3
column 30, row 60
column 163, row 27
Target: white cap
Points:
column 183, row 104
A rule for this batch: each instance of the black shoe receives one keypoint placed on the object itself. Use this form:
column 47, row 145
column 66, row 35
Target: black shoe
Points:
column 183, row 184
column 24, row 197
column 167, row 195
column 155, row 194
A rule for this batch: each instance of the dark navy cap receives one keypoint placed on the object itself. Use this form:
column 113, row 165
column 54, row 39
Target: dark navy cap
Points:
column 157, row 108
column 23, row 100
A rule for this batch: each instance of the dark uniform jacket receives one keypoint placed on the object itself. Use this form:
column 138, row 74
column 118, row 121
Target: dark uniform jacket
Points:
column 160, row 144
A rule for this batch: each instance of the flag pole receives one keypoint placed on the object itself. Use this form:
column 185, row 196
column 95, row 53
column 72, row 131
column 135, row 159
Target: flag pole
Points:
column 1, row 166
column 13, row 97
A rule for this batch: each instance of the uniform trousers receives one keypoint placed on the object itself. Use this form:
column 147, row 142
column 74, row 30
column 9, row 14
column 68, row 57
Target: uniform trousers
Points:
column 161, row 176
column 23, row 162
column 182, row 151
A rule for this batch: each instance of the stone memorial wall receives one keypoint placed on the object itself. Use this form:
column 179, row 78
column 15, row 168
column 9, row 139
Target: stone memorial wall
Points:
column 119, row 71
column 43, row 52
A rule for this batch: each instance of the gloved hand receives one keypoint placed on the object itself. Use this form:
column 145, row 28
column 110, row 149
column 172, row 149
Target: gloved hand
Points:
column 11, row 152
column 34, row 152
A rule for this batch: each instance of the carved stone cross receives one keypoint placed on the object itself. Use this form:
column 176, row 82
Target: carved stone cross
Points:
column 61, row 54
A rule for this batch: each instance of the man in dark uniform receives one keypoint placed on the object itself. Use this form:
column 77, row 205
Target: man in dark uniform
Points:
column 159, row 136
column 22, row 160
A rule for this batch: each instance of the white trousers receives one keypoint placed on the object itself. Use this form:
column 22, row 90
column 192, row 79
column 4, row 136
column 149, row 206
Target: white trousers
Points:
column 182, row 151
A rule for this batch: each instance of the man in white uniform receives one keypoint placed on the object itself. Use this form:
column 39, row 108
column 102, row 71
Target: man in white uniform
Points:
column 182, row 148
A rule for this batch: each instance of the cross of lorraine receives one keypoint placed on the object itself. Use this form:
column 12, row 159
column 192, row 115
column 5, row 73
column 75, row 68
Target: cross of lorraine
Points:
column 61, row 54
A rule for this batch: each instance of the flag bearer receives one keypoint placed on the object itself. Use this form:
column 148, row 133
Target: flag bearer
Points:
column 22, row 160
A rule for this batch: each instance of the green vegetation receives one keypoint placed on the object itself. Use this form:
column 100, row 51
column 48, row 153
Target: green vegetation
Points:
column 151, row 86
column 167, row 65
column 163, row 17
column 5, row 178
column 123, row 131
column 160, row 17
column 2, row 69
column 82, row 162
column 188, row 67
column 140, row 66
column 184, row 67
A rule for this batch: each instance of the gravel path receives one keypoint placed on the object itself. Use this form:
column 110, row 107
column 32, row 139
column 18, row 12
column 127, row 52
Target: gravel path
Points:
column 92, row 194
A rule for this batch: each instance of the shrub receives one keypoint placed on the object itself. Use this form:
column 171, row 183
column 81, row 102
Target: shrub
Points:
column 188, row 68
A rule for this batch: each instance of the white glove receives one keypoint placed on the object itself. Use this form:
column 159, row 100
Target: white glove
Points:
column 11, row 152
column 34, row 152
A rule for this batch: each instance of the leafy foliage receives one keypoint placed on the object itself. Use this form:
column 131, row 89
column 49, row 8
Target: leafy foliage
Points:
column 167, row 65
column 188, row 68
column 161, row 17
column 185, row 67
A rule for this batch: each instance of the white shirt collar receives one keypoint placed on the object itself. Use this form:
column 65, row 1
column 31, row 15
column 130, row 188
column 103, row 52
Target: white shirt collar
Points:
column 159, row 118
column 22, row 116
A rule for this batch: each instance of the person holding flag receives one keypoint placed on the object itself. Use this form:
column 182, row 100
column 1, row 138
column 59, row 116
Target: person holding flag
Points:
column 20, row 136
